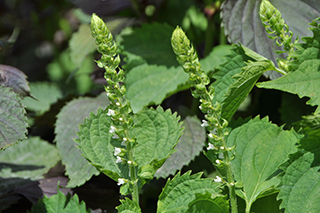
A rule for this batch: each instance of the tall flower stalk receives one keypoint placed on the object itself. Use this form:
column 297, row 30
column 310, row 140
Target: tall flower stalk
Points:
column 119, row 108
column 214, row 122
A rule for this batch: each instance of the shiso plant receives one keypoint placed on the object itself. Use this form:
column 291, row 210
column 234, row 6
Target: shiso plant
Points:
column 258, row 163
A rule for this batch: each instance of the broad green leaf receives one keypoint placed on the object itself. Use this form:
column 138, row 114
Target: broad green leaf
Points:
column 150, row 84
column 260, row 148
column 95, row 144
column 13, row 119
column 30, row 159
column 152, row 43
column 241, row 88
column 77, row 167
column 190, row 145
column 234, row 62
column 242, row 23
column 157, row 132
column 216, row 57
column 310, row 124
column 81, row 44
column 304, row 80
column 46, row 94
column 128, row 206
column 60, row 203
column 207, row 203
column 182, row 190
column 300, row 190
column 265, row 204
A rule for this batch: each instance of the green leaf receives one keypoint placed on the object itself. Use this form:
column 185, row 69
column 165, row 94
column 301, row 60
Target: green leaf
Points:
column 150, row 84
column 216, row 57
column 60, row 203
column 241, row 88
column 242, row 23
column 300, row 190
column 310, row 124
column 182, row 190
column 260, row 148
column 234, row 62
column 190, row 145
column 81, row 44
column 77, row 167
column 207, row 203
column 29, row 159
column 14, row 122
column 46, row 94
column 157, row 132
column 95, row 144
column 128, row 206
column 304, row 79
column 152, row 43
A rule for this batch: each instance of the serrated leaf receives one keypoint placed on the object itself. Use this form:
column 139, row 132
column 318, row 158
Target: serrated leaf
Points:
column 241, row 88
column 182, row 189
column 207, row 203
column 304, row 80
column 95, row 144
column 242, row 23
column 261, row 147
column 300, row 190
column 81, row 44
column 157, row 132
column 77, row 167
column 128, row 206
column 46, row 94
column 60, row 203
column 234, row 62
column 152, row 43
column 215, row 58
column 150, row 84
column 29, row 159
column 190, row 145
column 14, row 122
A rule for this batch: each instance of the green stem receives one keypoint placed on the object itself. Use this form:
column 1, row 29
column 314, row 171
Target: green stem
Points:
column 280, row 71
column 133, row 174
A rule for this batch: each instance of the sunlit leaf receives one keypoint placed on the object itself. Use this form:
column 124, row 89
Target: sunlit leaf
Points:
column 260, row 148
column 208, row 203
column 182, row 190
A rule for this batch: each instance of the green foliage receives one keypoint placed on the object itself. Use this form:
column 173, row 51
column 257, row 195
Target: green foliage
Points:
column 13, row 125
column 77, row 167
column 189, row 146
column 45, row 93
column 303, row 80
column 60, row 203
column 128, row 206
column 260, row 148
column 183, row 189
column 17, row 161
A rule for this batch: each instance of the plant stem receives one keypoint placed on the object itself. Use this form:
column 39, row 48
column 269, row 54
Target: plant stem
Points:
column 280, row 71
column 133, row 174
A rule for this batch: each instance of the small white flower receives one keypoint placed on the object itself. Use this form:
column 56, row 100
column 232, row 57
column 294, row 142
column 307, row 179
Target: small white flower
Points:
column 204, row 123
column 119, row 160
column 210, row 135
column 129, row 162
column 120, row 119
column 112, row 129
column 200, row 107
column 115, row 136
column 211, row 146
column 116, row 151
column 120, row 181
column 218, row 161
column 111, row 112
column 118, row 104
column 217, row 179
column 222, row 147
